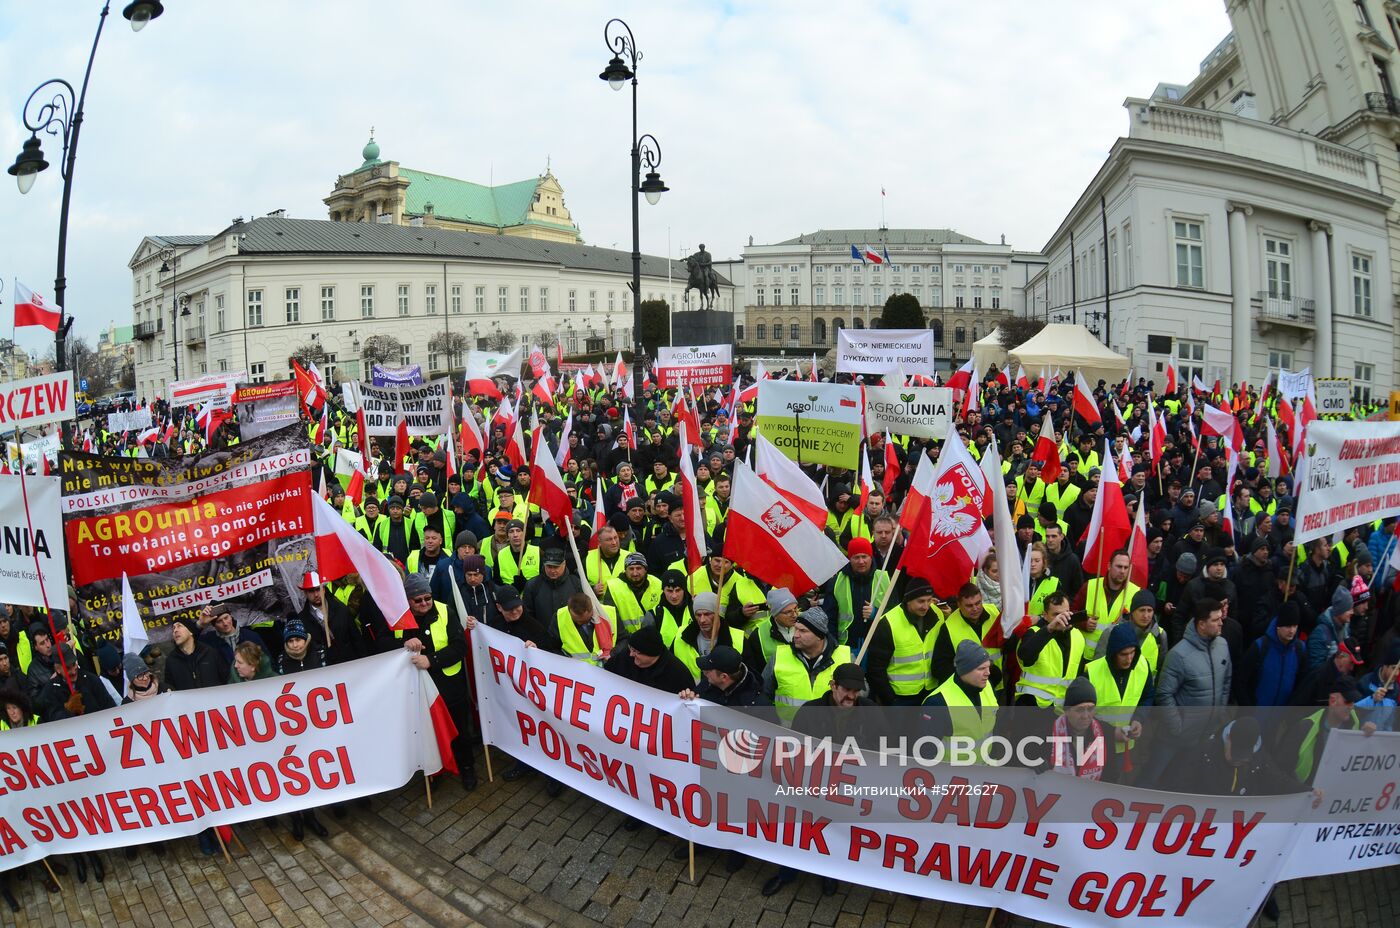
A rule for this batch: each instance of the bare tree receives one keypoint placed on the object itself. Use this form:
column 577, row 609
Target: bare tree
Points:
column 546, row 339
column 450, row 345
column 382, row 350
column 499, row 341
column 309, row 353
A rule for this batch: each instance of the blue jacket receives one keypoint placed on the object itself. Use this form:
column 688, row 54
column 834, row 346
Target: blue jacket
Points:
column 1322, row 643
column 1381, row 711
column 1279, row 669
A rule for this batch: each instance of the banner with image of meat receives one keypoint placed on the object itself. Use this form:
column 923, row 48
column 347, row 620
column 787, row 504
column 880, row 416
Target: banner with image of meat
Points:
column 231, row 526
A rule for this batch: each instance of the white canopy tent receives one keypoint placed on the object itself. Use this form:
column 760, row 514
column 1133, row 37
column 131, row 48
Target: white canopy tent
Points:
column 1070, row 348
column 987, row 351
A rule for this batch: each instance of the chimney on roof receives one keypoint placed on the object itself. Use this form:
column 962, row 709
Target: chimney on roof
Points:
column 278, row 214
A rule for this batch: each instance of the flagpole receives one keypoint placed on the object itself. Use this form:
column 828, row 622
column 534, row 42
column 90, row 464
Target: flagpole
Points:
column 879, row 615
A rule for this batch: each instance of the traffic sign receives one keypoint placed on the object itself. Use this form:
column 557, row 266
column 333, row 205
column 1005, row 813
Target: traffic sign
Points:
column 82, row 384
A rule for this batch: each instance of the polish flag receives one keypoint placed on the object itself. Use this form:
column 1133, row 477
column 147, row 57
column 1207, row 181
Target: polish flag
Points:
column 684, row 413
column 1306, row 413
column 515, row 447
column 210, row 419
column 1015, row 597
column 1022, row 380
column 748, row 394
column 31, row 309
column 787, row 479
column 1117, row 414
column 435, row 747
column 773, row 542
column 812, row 374
column 1227, row 516
column 362, row 433
column 1156, row 435
column 1137, row 548
column 547, row 488
column 1084, row 401
column 403, row 447
column 620, row 372
column 1171, row 380
column 1278, row 458
column 1287, row 418
column 694, row 516
column 1197, row 384
column 972, row 398
column 920, row 488
column 1109, row 528
column 561, row 457
column 148, row 436
column 470, row 434
column 1040, row 384
column 599, row 517
column 962, row 377
column 559, row 357
column 1222, row 422
column 1125, row 464
column 892, row 468
column 949, row 538
column 308, row 387
column 629, row 435
column 341, row 550
column 543, row 390
column 1047, row 451
column 867, row 482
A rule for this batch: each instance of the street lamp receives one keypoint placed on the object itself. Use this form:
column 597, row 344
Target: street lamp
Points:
column 621, row 69
column 170, row 264
column 62, row 116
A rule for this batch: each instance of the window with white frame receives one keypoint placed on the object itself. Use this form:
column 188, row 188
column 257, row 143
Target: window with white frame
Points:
column 433, row 358
column 819, row 295
column 996, row 302
column 777, row 331
column 592, row 301
column 836, row 268
column 403, row 299
column 405, row 355
column 544, row 299
column 456, row 299
column 430, row 299
column 367, row 301
column 254, row 308
column 573, row 301
column 957, row 268
column 792, row 268
column 1361, row 285
column 257, row 373
column 838, row 295
column 292, row 305
column 877, row 296
column 935, row 296
column 1191, row 359
column 1188, row 243
column 762, row 300
column 524, row 299
column 1278, row 268
column 502, row 299
column 958, row 302
column 1361, row 383
column 857, row 295
column 612, row 297
column 1279, row 358
column 328, row 304
column 219, row 312
column 479, row 299
column 777, row 296
column 793, row 294
column 1128, row 270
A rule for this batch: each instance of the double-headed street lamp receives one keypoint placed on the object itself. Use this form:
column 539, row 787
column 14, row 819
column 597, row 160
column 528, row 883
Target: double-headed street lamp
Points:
column 645, row 149
column 61, row 115
column 179, row 302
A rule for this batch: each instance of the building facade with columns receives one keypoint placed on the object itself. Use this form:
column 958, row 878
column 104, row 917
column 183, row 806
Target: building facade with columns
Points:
column 792, row 297
column 386, row 192
column 249, row 296
column 1230, row 246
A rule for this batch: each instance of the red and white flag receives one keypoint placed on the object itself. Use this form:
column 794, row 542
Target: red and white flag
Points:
column 892, row 468
column 773, row 542
column 355, row 489
column 444, row 731
column 1222, row 422
column 308, row 387
column 341, row 550
column 403, row 446
column 1015, row 597
column 1156, row 435
column 561, row 457
column 1278, row 458
column 919, row 490
column 470, row 434
column 32, row 309
column 362, row 434
column 547, row 488
column 1171, row 380
column 1109, row 528
column 1084, row 403
column 788, row 480
column 1227, row 515
column 695, row 547
column 1137, row 548
column 1306, row 413
column 1047, row 451
column 1022, row 380
column 600, row 518
column 515, row 446
column 629, row 434
column 962, row 377
column 949, row 538
column 867, row 482
column 683, row 412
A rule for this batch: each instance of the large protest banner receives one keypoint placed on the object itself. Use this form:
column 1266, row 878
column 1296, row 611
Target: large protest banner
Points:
column 883, row 351
column 132, row 420
column 228, row 526
column 426, row 407
column 1050, row 847
column 1294, row 384
column 31, row 542
column 1359, row 776
column 265, row 407
column 381, row 376
column 923, row 412
column 694, row 365
column 1353, row 475
column 200, row 390
column 176, row 764
column 36, row 401
column 811, row 423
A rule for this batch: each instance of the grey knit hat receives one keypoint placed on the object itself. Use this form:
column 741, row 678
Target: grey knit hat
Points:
column 1079, row 692
column 706, row 602
column 779, row 598
column 815, row 619
column 134, row 667
column 970, row 655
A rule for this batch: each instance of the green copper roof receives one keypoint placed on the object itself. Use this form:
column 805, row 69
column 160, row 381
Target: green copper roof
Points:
column 462, row 201
column 122, row 334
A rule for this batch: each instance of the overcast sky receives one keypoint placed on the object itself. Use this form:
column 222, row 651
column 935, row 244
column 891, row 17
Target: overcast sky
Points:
column 775, row 118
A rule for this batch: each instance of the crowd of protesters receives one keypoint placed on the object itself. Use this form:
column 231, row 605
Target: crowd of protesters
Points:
column 1233, row 613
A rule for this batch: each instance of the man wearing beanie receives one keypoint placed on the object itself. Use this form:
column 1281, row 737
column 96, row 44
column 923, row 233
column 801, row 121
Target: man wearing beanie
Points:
column 192, row 664
column 1051, row 654
column 970, row 621
column 633, row 594
column 1333, row 627
column 774, row 632
column 439, row 646
column 964, row 705
column 1151, row 639
column 1079, row 745
column 643, row 658
column 898, row 659
column 396, row 536
column 708, row 630
column 803, row 670
column 1275, row 663
column 1123, row 685
column 852, row 595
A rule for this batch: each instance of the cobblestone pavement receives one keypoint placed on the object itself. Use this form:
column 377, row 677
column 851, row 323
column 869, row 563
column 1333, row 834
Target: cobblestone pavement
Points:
column 508, row 855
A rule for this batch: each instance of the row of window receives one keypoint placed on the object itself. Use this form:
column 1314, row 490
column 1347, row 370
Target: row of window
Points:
column 292, row 312
column 855, row 267
column 774, row 296
column 793, row 331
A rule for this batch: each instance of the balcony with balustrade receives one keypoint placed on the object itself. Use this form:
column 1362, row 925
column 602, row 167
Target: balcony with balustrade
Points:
column 1285, row 312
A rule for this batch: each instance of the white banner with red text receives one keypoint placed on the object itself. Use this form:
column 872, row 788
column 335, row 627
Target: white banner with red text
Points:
column 1062, row 849
column 179, row 763
column 33, row 561
column 1352, row 475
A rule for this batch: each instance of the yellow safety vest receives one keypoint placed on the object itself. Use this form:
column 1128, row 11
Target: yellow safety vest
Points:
column 845, row 608
column 1097, row 605
column 795, row 686
column 438, row 631
column 1040, row 589
column 595, row 568
column 1045, row 679
column 1116, row 707
column 967, row 721
column 909, row 671
column 507, row 569
column 1304, row 768
column 690, row 657
column 572, row 640
column 629, row 608
column 957, row 629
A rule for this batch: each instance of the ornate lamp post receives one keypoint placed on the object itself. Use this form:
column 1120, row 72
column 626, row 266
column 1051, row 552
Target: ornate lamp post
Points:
column 645, row 149
column 61, row 115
